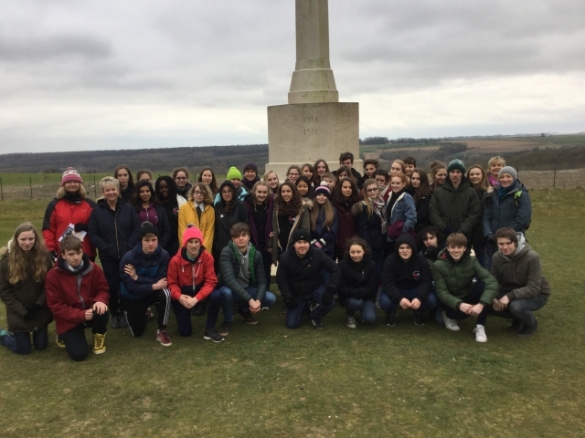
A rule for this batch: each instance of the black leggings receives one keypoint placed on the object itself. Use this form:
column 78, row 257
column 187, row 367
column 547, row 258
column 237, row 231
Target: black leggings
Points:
column 75, row 342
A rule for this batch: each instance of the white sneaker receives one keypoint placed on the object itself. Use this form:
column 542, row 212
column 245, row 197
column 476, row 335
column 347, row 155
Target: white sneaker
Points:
column 451, row 324
column 480, row 335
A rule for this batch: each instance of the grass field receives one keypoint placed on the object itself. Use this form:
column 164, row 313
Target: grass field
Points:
column 267, row 381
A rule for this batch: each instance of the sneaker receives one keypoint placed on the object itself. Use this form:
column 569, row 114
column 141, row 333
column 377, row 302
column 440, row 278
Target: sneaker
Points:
column 60, row 342
column 350, row 322
column 115, row 322
column 419, row 318
column 391, row 319
column 316, row 323
column 247, row 317
column 451, row 324
column 99, row 343
column 163, row 337
column 212, row 335
column 224, row 330
column 528, row 330
column 480, row 335
column 122, row 322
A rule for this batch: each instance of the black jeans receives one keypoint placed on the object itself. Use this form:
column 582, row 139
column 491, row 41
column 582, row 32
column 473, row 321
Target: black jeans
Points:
column 75, row 342
column 135, row 311
column 20, row 343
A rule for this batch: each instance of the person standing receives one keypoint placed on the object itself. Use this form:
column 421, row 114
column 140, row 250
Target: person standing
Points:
column 166, row 195
column 148, row 210
column 198, row 211
column 24, row 263
column 114, row 229
column 228, row 212
column 181, row 177
column 124, row 176
column 68, row 213
column 344, row 196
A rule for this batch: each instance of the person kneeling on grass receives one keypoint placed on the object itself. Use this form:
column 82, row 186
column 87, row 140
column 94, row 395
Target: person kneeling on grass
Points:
column 242, row 279
column 77, row 294
column 358, row 285
column 192, row 281
column 523, row 288
column 143, row 271
column 453, row 273
column 301, row 277
column 407, row 282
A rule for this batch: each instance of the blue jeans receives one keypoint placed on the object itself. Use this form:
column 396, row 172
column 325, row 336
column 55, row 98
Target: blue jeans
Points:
column 229, row 299
column 367, row 308
column 522, row 309
column 389, row 306
column 294, row 316
column 19, row 343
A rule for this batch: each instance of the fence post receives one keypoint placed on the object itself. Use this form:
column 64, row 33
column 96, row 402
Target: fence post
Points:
column 555, row 178
column 30, row 185
column 1, row 189
column 94, row 188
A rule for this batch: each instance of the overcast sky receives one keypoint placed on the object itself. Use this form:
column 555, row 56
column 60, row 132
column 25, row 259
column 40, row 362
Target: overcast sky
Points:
column 132, row 74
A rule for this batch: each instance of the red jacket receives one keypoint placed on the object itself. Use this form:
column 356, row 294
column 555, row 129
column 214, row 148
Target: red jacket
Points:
column 62, row 212
column 196, row 278
column 69, row 295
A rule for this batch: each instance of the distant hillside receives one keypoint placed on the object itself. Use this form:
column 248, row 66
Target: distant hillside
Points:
column 195, row 158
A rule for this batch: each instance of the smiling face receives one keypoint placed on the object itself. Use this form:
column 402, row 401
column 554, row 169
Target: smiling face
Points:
column 72, row 186
column 242, row 241
column 372, row 191
column 236, row 182
column 475, row 176
column 227, row 194
column 356, row 252
column 506, row 246
column 293, row 175
column 303, row 188
column 456, row 251
column 250, row 174
column 26, row 240
column 321, row 168
column 181, row 180
column 110, row 192
column 409, row 169
column 321, row 198
column 145, row 194
column 301, row 247
column 506, row 180
column 396, row 184
column 395, row 169
column 286, row 193
column 405, row 251
column 495, row 168
column 272, row 180
column 440, row 177
column 207, row 177
column 260, row 194
column 307, row 172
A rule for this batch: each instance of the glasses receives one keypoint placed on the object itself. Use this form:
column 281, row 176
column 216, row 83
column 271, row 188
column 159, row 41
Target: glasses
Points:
column 181, row 177
column 197, row 192
column 372, row 190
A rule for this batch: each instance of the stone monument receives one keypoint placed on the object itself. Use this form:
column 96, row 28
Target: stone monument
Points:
column 314, row 124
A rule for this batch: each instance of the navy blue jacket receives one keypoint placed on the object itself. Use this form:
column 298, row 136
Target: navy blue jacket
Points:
column 150, row 268
column 114, row 232
column 513, row 209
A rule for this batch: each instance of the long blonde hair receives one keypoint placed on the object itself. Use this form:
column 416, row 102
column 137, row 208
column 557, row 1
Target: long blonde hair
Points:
column 61, row 192
column 366, row 198
column 19, row 260
column 329, row 214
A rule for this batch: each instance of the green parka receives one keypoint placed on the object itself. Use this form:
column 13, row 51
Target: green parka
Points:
column 454, row 280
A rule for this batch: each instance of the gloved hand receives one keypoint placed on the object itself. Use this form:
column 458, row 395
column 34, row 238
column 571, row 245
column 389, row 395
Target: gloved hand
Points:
column 81, row 227
column 32, row 311
column 291, row 303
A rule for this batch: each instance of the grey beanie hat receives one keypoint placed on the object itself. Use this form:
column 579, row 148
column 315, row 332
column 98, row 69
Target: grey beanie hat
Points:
column 510, row 171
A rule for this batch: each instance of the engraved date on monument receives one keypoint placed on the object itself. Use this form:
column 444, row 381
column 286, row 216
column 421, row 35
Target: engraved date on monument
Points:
column 311, row 132
column 308, row 130
column 311, row 119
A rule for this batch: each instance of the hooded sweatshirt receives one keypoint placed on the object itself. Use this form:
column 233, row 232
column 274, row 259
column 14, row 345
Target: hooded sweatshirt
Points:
column 399, row 274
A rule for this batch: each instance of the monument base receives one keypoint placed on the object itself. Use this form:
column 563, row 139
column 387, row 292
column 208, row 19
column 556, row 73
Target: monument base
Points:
column 305, row 132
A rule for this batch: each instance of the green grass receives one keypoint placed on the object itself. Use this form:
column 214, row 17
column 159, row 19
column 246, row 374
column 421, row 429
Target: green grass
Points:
column 267, row 381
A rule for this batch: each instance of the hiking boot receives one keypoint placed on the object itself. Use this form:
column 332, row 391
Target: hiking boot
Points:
column 163, row 337
column 99, row 343
column 419, row 318
column 247, row 317
column 60, row 342
column 212, row 335
column 316, row 323
column 391, row 319
column 480, row 335
column 528, row 329
column 451, row 324
column 350, row 322
column 224, row 330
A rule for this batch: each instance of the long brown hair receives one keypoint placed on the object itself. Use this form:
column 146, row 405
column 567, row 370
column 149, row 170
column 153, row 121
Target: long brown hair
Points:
column 213, row 186
column 294, row 206
column 425, row 186
column 329, row 211
column 484, row 183
column 19, row 261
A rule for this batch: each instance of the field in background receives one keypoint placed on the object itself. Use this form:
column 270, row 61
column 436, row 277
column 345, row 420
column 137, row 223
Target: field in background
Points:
column 267, row 381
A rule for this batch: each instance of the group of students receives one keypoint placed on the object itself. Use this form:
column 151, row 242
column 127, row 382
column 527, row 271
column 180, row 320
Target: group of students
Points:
column 198, row 248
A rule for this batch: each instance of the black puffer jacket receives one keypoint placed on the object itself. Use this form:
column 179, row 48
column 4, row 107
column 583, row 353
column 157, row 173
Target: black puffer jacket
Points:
column 225, row 220
column 114, row 232
column 298, row 277
column 358, row 280
column 414, row 273
column 369, row 228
